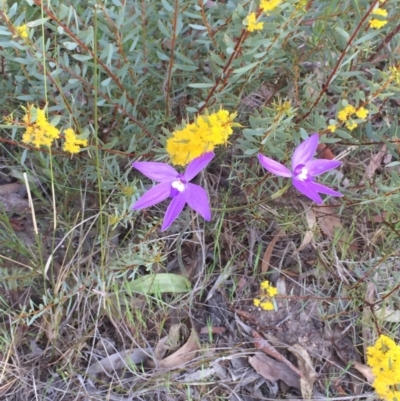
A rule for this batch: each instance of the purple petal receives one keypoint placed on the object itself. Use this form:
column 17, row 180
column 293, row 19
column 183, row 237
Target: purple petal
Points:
column 173, row 210
column 153, row 196
column 324, row 190
column 306, row 188
column 274, row 167
column 319, row 166
column 198, row 164
column 305, row 151
column 197, row 199
column 156, row 171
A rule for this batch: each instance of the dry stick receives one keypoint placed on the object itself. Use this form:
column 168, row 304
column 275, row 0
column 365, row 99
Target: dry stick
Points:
column 339, row 62
column 171, row 58
column 209, row 29
column 226, row 72
column 385, row 41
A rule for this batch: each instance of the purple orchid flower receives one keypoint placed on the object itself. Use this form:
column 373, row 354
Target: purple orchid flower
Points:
column 304, row 169
column 177, row 186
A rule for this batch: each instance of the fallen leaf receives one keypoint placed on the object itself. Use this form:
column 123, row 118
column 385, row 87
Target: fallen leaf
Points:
column 171, row 342
column 306, row 367
column 330, row 223
column 119, row 360
column 13, row 188
column 262, row 344
column 268, row 252
column 13, row 203
column 184, row 354
column 365, row 370
column 212, row 330
column 311, row 223
column 375, row 162
column 323, row 152
column 273, row 370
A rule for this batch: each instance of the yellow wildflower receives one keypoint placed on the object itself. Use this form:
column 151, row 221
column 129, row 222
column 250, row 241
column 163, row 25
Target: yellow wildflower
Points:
column 380, row 11
column 332, row 128
column 269, row 5
column 22, row 31
column 362, row 112
column 378, row 23
column 39, row 132
column 384, row 360
column 395, row 74
column 264, row 300
column 72, row 144
column 201, row 136
column 252, row 24
column 351, row 125
column 345, row 113
column 257, row 302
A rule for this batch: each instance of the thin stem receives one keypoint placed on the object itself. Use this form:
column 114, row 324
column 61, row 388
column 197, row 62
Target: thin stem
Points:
column 171, row 58
column 274, row 196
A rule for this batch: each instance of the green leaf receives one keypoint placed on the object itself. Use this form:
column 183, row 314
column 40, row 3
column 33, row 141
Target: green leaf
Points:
column 37, row 22
column 246, row 68
column 342, row 33
column 81, row 57
column 167, row 6
column 70, row 45
column 201, row 85
column 159, row 283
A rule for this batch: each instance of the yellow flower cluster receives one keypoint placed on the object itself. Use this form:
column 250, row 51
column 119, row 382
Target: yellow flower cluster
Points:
column 22, row 31
column 384, row 360
column 346, row 113
column 252, row 24
column 251, row 19
column 72, row 144
column 395, row 74
column 38, row 132
column 269, row 5
column 381, row 22
column 201, row 136
column 267, row 292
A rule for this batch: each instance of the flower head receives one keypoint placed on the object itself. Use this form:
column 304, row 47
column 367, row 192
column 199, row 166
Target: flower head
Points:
column 72, row 144
column 304, row 169
column 39, row 132
column 22, row 31
column 384, row 359
column 267, row 292
column 200, row 137
column 252, row 24
column 269, row 5
column 376, row 23
column 177, row 186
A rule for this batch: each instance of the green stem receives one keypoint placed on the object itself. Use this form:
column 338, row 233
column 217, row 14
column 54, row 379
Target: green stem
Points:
column 275, row 195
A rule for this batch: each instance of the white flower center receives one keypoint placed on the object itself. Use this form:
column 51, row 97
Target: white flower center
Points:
column 303, row 174
column 179, row 185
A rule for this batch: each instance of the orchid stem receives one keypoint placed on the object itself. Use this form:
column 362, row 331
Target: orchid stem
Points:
column 275, row 195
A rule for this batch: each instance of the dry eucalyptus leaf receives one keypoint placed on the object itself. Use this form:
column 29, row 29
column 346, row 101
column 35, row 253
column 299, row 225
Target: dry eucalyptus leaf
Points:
column 311, row 223
column 273, row 370
column 268, row 253
column 375, row 162
column 119, row 360
column 306, row 367
column 365, row 371
column 184, row 354
column 172, row 341
column 13, row 203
